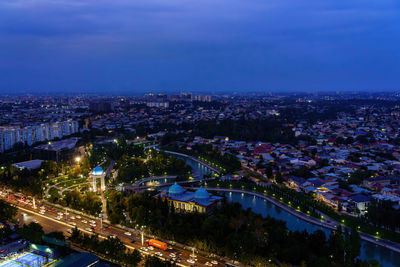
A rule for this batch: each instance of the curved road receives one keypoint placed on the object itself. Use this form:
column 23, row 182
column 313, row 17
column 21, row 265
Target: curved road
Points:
column 329, row 225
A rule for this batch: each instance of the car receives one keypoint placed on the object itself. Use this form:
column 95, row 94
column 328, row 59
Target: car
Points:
column 69, row 231
column 72, row 217
column 88, row 229
column 73, row 223
column 58, row 218
column 41, row 212
column 144, row 249
column 214, row 262
column 60, row 213
column 151, row 248
column 84, row 221
column 78, row 217
column 208, row 264
column 159, row 254
column 94, row 222
column 127, row 233
column 172, row 255
column 190, row 261
column 35, row 221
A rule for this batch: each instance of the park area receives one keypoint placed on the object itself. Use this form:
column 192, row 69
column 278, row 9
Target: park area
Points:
column 60, row 186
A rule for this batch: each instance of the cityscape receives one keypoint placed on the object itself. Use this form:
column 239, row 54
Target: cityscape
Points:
column 199, row 133
column 168, row 179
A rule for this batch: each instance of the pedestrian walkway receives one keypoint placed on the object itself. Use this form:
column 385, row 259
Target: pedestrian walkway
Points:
column 329, row 224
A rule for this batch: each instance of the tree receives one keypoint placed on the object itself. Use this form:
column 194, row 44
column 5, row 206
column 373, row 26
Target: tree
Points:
column 336, row 246
column 57, row 235
column 353, row 245
column 33, row 232
column 268, row 171
column 303, row 172
column 152, row 261
column 133, row 258
column 279, row 178
column 7, row 211
column 75, row 235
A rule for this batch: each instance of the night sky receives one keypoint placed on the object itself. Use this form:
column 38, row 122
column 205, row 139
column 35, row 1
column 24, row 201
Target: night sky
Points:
column 132, row 46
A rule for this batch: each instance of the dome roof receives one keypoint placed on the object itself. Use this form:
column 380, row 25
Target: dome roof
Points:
column 175, row 189
column 98, row 170
column 201, row 193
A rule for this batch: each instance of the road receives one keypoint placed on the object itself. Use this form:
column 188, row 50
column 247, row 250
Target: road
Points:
column 48, row 220
column 329, row 223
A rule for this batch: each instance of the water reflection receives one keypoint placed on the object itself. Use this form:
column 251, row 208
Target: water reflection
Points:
column 197, row 167
column 385, row 257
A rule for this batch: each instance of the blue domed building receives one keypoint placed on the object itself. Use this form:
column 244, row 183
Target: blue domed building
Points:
column 98, row 171
column 188, row 201
column 175, row 190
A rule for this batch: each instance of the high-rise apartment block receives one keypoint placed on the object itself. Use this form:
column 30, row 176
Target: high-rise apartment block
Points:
column 202, row 98
column 9, row 136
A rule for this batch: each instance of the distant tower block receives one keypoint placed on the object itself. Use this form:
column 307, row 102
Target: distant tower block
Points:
column 98, row 173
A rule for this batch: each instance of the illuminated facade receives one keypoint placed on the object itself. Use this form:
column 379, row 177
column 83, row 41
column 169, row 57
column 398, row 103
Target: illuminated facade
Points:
column 187, row 201
column 98, row 173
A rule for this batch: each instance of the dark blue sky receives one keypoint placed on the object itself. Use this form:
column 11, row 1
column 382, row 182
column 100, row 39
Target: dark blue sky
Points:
column 198, row 45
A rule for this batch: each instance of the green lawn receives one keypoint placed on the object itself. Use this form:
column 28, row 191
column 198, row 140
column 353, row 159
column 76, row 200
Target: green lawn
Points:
column 72, row 182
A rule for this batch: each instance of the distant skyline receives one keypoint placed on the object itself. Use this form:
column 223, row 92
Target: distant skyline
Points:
column 130, row 47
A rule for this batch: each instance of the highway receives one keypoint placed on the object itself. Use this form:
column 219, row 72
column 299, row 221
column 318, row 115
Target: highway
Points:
column 50, row 220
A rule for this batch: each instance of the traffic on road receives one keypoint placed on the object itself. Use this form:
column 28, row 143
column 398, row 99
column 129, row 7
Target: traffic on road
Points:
column 53, row 219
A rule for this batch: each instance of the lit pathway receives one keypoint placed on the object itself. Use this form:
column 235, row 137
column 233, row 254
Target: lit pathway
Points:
column 153, row 178
column 330, row 224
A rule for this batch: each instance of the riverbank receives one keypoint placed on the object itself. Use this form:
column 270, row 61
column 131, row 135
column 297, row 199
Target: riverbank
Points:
column 195, row 159
column 329, row 222
column 331, row 225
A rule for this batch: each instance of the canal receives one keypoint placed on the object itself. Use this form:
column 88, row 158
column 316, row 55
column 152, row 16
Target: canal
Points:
column 386, row 257
column 198, row 169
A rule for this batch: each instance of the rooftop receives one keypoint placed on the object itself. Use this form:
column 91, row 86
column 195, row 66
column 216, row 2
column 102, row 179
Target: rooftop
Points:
column 30, row 164
column 60, row 145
